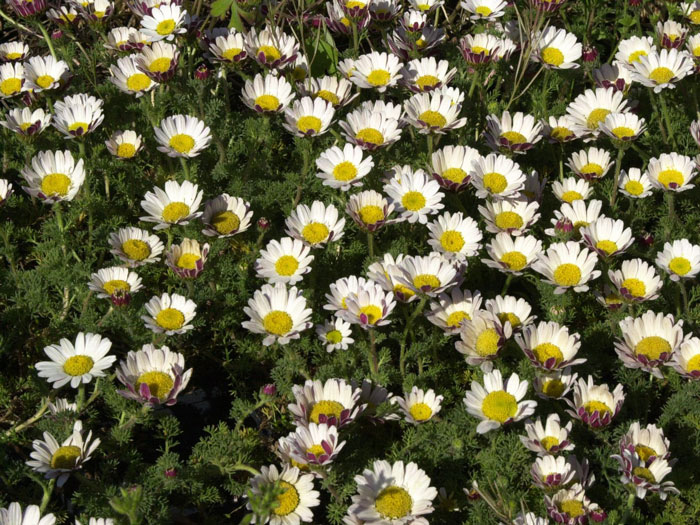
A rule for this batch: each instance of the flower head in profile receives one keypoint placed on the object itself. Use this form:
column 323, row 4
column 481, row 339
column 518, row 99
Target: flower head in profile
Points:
column 297, row 496
column 548, row 438
column 595, row 405
column 115, row 283
column 335, row 402
column 13, row 515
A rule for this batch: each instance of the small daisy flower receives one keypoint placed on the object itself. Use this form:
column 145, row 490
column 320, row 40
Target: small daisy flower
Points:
column 550, row 438
column 315, row 226
column 308, row 117
column 512, row 255
column 649, row 341
column 552, row 472
column 662, row 70
column 187, row 259
column 153, row 376
column 169, row 314
column 341, row 289
column 129, row 78
column 607, row 237
column 567, row 265
column 615, row 75
column 115, row 283
column 53, row 176
column 590, row 164
column 636, row 281
column 630, row 50
column 671, row 34
column 691, row 10
column 572, row 189
column 649, row 443
column 343, row 168
column 455, row 236
column 164, row 23
column 484, row 9
column 692, row 46
column 635, row 184
column 498, row 177
column 425, row 6
column 370, row 210
column 182, row 136
column 76, row 120
column 591, row 107
column 386, row 274
column 135, row 247
column 57, row 461
column 398, row 493
column 76, row 363
column 294, row 504
column 533, row 189
column 315, row 444
column 450, row 310
column 623, row 127
column 62, row 405
column 26, row 122
column 452, row 166
column 645, row 477
column 334, row 90
column 498, row 403
column 14, row 51
column 268, row 94
column 96, row 10
column 433, row 113
column 429, row 275
column 335, row 334
column 118, row 38
column 415, row 196
column 284, row 261
column 370, row 130
column 271, row 47
column 680, row 259
column 13, row 515
column 44, row 73
column 554, row 384
column 509, row 309
column 671, row 172
column 595, row 405
column 686, row 360
column 419, row 406
column 514, row 217
column 557, row 49
column 376, row 71
column 177, row 204
column 482, row 338
column 335, row 403
column 11, row 80
column 426, row 74
column 518, row 133
column 559, row 130
column 158, row 61
column 369, row 307
column 550, row 346
column 228, row 48
column 574, row 216
column 5, row 191
column 278, row 312
column 384, row 10
column 226, row 216
column 124, row 144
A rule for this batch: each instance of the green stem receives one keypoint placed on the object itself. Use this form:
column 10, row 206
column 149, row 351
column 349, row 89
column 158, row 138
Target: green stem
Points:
column 80, row 401
column 15, row 23
column 616, row 180
column 684, row 295
column 48, row 490
column 373, row 358
column 628, row 508
column 185, row 167
column 667, row 119
column 370, row 244
column 36, row 417
column 81, row 148
column 430, row 146
column 671, row 202
column 355, row 40
column 47, row 38
column 561, row 163
column 59, row 216
column 475, row 78
column 506, row 284
column 406, row 332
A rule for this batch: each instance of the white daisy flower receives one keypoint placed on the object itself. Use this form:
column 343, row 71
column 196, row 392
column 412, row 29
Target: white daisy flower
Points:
column 341, row 289
column 386, row 274
column 415, row 196
column 635, row 184
column 424, row 6
column 76, row 363
column 182, row 136
column 115, row 283
column 574, row 216
column 595, row 405
column 315, row 226
column 308, row 117
column 498, row 177
column 452, row 166
column 118, row 38
column 335, row 402
column 590, row 164
column 12, row 80
column 376, row 70
column 649, row 341
column 268, row 94
column 284, row 261
column 419, row 406
column 14, row 51
column 62, row 405
column 450, row 310
column 649, row 443
column 164, row 22
column 686, row 360
column 636, row 281
column 631, row 50
column 43, row 73
column 26, row 122
column 225, row 216
column 429, row 275
column 177, row 204
column 662, row 70
column 572, row 506
column 53, row 176
column 169, row 314
column 370, row 130
column 433, row 113
column 396, row 494
column 559, row 130
column 482, row 338
column 135, row 247
column 512, row 255
column 346, row 67
column 455, row 236
column 483, row 48
column 509, row 216
column 645, row 477
column 671, row 172
column 518, row 133
column 271, row 47
column 124, row 144
column 607, row 237
column 591, row 107
column 129, row 78
column 623, row 126
column 671, row 34
column 76, row 120
column 13, row 515
column 370, row 210
column 692, row 46
column 294, row 504
column 5, row 191
column 557, row 49
column 335, row 334
column 187, row 259
column 572, row 189
column 567, row 265
column 498, row 403
column 158, row 61
column 484, row 9
column 57, row 461
column 552, row 472
column 228, row 48
column 426, row 74
column 615, row 75
column 334, row 90
column 680, row 259
column 554, row 384
column 691, row 10
column 343, row 168
column 314, row 444
column 509, row 309
column 550, row 346
column 369, row 307
column 277, row 312
column 550, row 438
column 530, row 518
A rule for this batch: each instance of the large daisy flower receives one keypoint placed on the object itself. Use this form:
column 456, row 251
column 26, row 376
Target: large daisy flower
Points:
column 415, row 196
column 377, row 70
column 572, row 189
column 631, row 50
column 53, row 176
column 484, row 9
column 124, row 144
column 498, row 177
column 450, row 311
column 595, row 405
column 386, row 274
column 115, row 283
column 635, row 184
column 308, row 117
column 509, row 216
column 590, row 164
column 225, row 216
column 680, row 259
column 314, row 444
column 135, row 247
column 686, row 360
column 559, row 130
column 550, row 438
column 25, row 121
column 343, row 168
column 482, row 338
column 671, row 172
column 13, row 515
column 294, row 504
column 433, row 113
column 43, row 73
column 430, row 274
column 177, row 204
column 574, row 216
column 315, row 226
column 567, row 265
column 271, row 47
column 169, row 314
column 557, row 49
column 645, row 476
column 455, row 236
column 182, row 136
column 591, row 107
column 369, row 307
column 452, row 166
column 76, row 363
column 76, row 118
column 513, row 310
column 340, row 290
column 128, row 78
column 228, row 48
column 517, row 133
column 426, row 74
column 335, row 402
column 278, row 312
column 662, row 70
column 158, row 61
column 607, row 237
column 187, row 259
column 370, row 210
column 636, row 281
column 11, row 79
column 337, row 91
column 268, row 94
column 284, row 261
column 550, row 346
column 335, row 334
column 370, row 130
column 623, row 126
column 512, row 255
column 419, row 406
column 164, row 22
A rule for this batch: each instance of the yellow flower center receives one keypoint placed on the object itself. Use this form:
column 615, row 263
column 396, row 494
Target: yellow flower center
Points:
column 404, row 290
column 548, row 442
column 495, row 182
column 170, row 319
column 634, row 187
column 231, row 53
column 79, row 127
column 373, row 313
column 644, row 473
column 513, row 319
column 595, row 117
column 175, row 211
column 413, row 201
column 267, row 102
column 671, row 176
column 509, row 220
column 423, row 7
column 309, row 123
column 636, row 55
column 426, row 280
column 571, row 196
column 451, row 241
column 10, row 86
column 592, row 169
column 420, row 412
column 487, row 343
column 138, row 82
column 513, row 137
column 316, row 450
column 315, row 232
column 65, row 457
column 116, row 285
column 352, row 4
column 278, row 322
column 160, row 65
column 288, row 501
column 515, row 261
column 456, row 175
column 78, row 365
column 572, row 507
column 286, row 265
column 482, row 10
column 552, row 56
column 344, row 171
column 553, row 388
column 328, row 96
column 370, row 136
column 427, row 81
column 478, row 50
column 379, row 77
column 434, row 119
column 661, row 75
column 334, row 337
column 165, row 27
column 567, row 274
column 456, row 318
column 45, row 81
column 182, row 143
column 371, row 214
column 561, row 133
column 580, row 224
column 652, row 347
column 330, row 409
column 159, row 383
column 679, row 265
column 696, row 51
column 623, row 132
column 126, row 150
column 694, row 17
column 136, row 250
column 607, row 247
column 13, row 56
column 188, row 261
column 645, row 452
column 225, row 222
column 271, row 53
column 24, row 126
column 393, row 503
column 55, row 184
column 635, row 287
column 693, row 364
column 499, row 406
column 545, row 351
column 597, row 406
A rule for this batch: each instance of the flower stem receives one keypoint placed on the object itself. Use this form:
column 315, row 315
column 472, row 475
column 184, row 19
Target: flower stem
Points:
column 47, row 38
column 373, row 359
column 407, row 330
column 667, row 118
column 628, row 508
column 355, row 40
column 506, row 284
column 80, row 401
column 370, row 244
column 671, row 202
column 475, row 78
column 684, row 295
column 185, row 168
column 48, row 490
column 81, row 148
column 616, row 180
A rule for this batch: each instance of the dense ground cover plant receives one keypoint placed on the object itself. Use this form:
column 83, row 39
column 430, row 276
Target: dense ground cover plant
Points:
column 349, row 262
